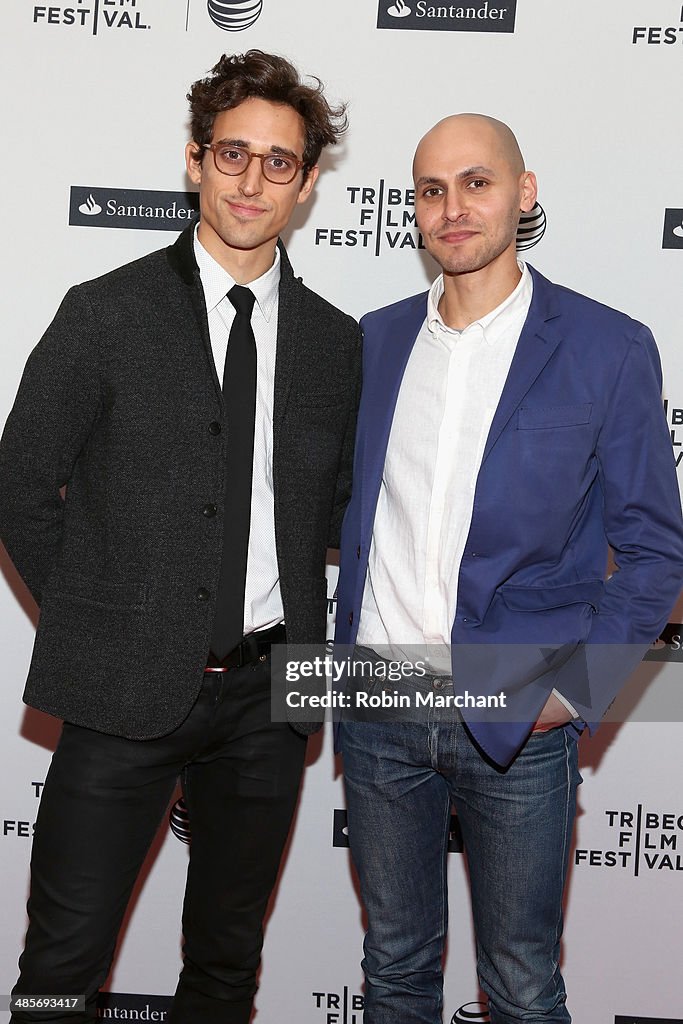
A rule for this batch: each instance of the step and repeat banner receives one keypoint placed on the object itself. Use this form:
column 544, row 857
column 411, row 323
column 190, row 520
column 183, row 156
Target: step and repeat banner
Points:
column 94, row 125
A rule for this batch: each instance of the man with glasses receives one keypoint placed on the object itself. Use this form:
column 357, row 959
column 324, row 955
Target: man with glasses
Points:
column 199, row 406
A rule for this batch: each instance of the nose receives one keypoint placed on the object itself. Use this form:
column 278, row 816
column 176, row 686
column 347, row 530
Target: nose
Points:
column 251, row 179
column 454, row 205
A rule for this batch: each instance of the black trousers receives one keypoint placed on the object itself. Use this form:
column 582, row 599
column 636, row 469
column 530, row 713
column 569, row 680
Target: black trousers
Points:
column 101, row 806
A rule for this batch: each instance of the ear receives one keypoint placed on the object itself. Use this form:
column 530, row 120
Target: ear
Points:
column 529, row 192
column 308, row 183
column 194, row 167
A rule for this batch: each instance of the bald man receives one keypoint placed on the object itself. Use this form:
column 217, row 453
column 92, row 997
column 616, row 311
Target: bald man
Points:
column 509, row 430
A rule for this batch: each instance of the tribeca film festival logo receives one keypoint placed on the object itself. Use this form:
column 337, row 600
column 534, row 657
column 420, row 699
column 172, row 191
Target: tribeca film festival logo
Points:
column 658, row 35
column 386, row 218
column 639, row 841
column 92, row 14
column 673, row 230
column 131, row 1006
column 19, row 828
column 96, row 207
column 345, row 1007
column 340, row 832
column 482, row 16
column 674, row 418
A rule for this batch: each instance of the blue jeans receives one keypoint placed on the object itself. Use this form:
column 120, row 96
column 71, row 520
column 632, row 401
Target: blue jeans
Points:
column 401, row 779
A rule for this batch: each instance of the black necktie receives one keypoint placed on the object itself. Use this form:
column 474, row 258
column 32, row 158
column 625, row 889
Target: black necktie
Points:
column 239, row 394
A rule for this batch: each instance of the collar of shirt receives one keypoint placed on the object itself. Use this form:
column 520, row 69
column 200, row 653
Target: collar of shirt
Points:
column 495, row 324
column 217, row 282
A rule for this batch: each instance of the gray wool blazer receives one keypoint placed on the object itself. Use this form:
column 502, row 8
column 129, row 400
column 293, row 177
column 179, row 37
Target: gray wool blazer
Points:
column 120, row 402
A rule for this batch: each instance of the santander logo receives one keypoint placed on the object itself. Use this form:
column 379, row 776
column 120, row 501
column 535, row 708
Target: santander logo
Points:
column 90, row 207
column 399, row 9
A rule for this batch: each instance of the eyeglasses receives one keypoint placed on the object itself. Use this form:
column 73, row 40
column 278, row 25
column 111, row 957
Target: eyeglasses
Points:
column 278, row 168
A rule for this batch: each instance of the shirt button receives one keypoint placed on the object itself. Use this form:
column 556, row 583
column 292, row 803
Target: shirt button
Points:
column 215, row 428
column 203, row 594
column 209, row 511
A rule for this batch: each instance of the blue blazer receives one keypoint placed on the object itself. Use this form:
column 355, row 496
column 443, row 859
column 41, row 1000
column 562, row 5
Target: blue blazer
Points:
column 578, row 457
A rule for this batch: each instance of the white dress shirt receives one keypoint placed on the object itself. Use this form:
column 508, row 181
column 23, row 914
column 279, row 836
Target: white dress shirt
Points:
column 448, row 397
column 449, row 394
column 263, row 600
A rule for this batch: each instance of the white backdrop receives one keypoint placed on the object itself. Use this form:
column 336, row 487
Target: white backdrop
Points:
column 94, row 98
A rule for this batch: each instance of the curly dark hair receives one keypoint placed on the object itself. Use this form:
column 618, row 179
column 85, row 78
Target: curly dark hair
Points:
column 238, row 77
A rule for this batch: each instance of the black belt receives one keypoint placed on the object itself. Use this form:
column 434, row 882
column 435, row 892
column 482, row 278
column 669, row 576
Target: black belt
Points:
column 255, row 647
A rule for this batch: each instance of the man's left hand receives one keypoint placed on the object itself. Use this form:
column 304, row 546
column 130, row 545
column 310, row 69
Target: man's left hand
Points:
column 553, row 714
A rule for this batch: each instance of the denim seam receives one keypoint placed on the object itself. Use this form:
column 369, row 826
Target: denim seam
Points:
column 444, row 880
column 566, row 820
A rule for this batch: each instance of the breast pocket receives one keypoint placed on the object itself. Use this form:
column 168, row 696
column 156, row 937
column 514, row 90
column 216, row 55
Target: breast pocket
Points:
column 554, row 416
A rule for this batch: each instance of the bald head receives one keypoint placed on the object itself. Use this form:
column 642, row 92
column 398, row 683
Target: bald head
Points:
column 470, row 189
column 473, row 129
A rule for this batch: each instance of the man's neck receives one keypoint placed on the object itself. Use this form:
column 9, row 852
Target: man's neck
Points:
column 243, row 265
column 469, row 297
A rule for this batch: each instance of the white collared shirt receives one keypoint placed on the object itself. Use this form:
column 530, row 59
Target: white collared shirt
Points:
column 449, row 394
column 263, row 600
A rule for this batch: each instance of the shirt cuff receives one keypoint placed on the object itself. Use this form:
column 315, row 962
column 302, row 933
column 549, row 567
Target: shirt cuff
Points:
column 569, row 707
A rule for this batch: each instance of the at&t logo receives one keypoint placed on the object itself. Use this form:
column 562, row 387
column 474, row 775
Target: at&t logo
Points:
column 179, row 821
column 471, row 1013
column 234, row 15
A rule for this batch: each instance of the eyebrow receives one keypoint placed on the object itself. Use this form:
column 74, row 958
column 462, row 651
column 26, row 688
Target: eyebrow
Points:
column 243, row 144
column 461, row 175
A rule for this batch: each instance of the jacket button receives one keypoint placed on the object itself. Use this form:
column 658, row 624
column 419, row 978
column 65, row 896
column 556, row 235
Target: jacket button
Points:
column 350, row 618
column 203, row 594
column 358, row 551
column 209, row 511
column 215, row 428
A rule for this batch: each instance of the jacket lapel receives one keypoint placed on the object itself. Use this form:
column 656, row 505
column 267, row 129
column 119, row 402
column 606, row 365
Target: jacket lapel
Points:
column 182, row 260
column 382, row 383
column 539, row 338
column 287, row 335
